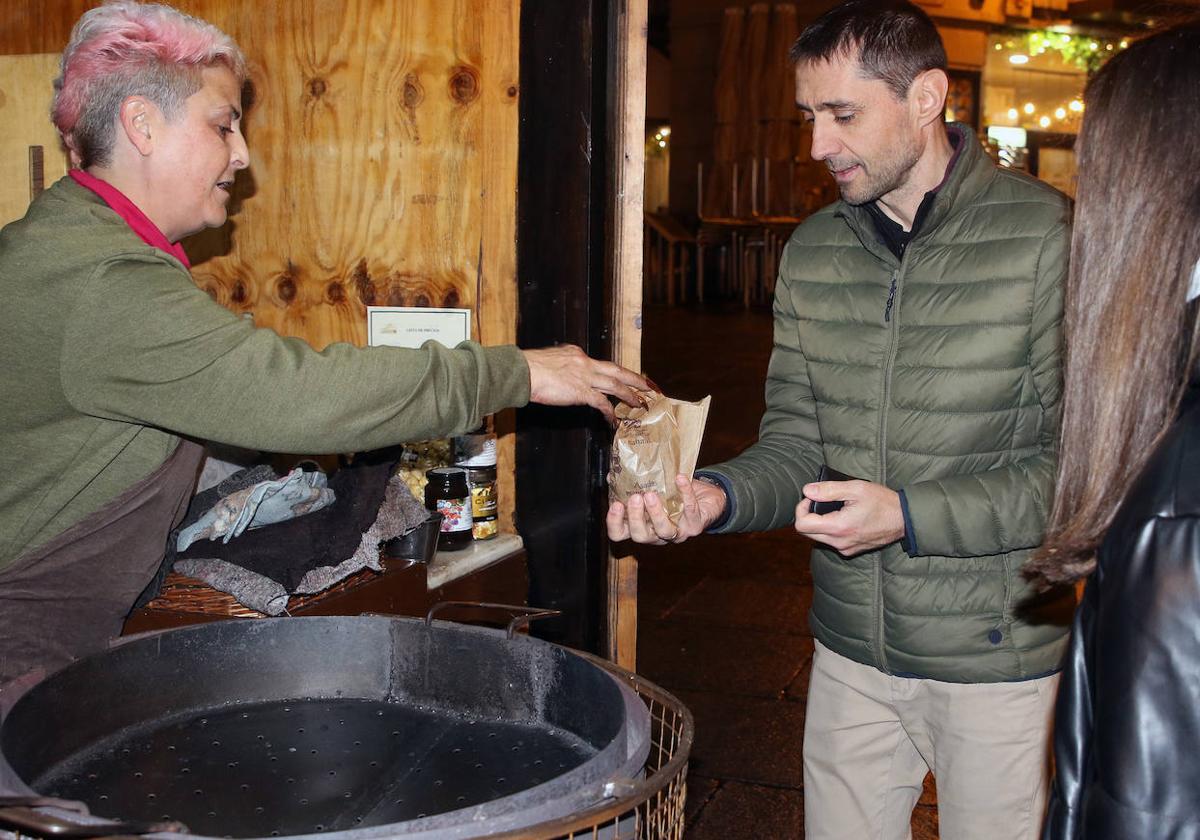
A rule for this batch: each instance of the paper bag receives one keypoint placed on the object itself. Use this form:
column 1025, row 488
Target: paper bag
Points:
column 652, row 445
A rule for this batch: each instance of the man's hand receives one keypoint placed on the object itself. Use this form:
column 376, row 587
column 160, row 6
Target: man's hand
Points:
column 565, row 375
column 870, row 518
column 645, row 520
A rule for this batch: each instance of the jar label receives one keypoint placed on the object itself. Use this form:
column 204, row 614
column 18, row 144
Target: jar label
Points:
column 475, row 450
column 485, row 529
column 456, row 514
column 483, row 500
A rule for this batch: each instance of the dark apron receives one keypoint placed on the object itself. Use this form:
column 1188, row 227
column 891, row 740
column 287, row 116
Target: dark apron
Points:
column 67, row 598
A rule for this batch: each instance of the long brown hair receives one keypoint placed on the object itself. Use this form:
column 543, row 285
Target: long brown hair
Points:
column 1131, row 338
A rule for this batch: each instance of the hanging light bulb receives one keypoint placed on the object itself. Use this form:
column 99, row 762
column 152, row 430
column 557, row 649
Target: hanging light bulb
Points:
column 1028, row 108
column 1044, row 121
column 1018, row 58
column 1060, row 113
column 665, row 131
column 1123, row 44
column 1012, row 114
column 1075, row 105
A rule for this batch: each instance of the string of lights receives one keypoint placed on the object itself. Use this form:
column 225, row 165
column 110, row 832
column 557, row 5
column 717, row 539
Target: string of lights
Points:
column 1082, row 51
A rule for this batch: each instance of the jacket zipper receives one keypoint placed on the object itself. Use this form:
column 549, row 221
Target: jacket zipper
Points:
column 887, row 310
column 889, row 363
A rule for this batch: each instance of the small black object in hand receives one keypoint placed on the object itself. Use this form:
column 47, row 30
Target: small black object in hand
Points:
column 828, row 473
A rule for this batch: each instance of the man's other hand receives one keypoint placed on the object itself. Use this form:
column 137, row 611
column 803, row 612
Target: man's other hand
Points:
column 870, row 517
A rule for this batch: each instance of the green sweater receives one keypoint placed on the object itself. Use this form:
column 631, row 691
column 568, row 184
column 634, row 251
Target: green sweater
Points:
column 938, row 374
column 111, row 353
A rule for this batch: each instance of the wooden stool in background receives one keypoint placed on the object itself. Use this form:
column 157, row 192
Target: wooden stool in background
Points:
column 668, row 252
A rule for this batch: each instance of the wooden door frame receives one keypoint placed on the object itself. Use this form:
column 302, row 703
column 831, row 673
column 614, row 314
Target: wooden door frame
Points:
column 627, row 164
column 579, row 227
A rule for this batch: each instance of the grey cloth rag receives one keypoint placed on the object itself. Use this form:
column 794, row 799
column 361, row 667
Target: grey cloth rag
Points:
column 399, row 514
column 265, row 503
column 248, row 588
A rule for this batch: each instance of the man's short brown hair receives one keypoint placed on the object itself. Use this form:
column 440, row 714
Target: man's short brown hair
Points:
column 893, row 40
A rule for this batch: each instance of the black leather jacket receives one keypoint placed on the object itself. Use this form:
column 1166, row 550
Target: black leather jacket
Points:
column 1127, row 731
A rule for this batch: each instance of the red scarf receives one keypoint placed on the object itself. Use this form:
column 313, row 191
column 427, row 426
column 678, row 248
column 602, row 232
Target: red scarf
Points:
column 146, row 230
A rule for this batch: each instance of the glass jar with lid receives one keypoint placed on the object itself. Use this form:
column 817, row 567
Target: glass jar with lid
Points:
column 447, row 493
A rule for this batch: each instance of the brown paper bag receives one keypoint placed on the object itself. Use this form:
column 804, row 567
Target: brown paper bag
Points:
column 654, row 444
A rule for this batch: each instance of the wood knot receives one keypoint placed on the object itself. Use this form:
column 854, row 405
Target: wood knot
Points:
column 464, row 85
column 414, row 94
column 363, row 285
column 422, row 299
column 317, row 87
column 512, row 91
column 335, row 293
column 286, row 288
column 238, row 293
column 451, row 299
column 249, row 95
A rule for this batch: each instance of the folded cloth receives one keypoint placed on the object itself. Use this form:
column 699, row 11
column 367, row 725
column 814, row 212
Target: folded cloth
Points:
column 311, row 553
column 222, row 461
column 200, row 504
column 399, row 514
column 266, row 503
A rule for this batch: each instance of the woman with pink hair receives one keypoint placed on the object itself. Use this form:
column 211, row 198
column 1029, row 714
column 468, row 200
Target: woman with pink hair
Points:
column 117, row 365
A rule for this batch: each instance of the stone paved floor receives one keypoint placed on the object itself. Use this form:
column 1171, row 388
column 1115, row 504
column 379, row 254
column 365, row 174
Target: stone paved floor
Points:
column 723, row 620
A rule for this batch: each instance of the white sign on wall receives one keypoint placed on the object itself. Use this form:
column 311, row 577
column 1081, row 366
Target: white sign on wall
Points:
column 412, row 326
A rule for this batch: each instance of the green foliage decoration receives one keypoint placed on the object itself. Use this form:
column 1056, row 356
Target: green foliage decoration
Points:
column 1087, row 52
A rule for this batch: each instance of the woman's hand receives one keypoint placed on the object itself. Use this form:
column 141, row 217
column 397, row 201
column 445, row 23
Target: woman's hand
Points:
column 565, row 375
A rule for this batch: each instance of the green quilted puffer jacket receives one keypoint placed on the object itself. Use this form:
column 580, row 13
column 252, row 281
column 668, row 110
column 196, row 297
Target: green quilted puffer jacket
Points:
column 939, row 375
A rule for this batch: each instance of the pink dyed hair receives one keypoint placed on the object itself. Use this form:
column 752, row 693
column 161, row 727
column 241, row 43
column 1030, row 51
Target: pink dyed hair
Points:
column 125, row 48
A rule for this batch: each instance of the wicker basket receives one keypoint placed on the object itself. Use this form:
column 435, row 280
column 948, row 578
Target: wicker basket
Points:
column 649, row 809
column 184, row 594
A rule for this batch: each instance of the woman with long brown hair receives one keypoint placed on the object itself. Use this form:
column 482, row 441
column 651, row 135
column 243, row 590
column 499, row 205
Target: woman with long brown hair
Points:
column 1127, row 506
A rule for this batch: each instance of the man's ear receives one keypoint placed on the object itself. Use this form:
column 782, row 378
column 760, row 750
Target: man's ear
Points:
column 137, row 119
column 928, row 95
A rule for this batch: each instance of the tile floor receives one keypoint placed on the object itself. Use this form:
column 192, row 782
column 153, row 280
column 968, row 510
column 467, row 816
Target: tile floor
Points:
column 723, row 620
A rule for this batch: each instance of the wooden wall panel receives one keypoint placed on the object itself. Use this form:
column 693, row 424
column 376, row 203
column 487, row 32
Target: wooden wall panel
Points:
column 368, row 134
column 24, row 107
column 383, row 143
column 497, row 146
column 38, row 26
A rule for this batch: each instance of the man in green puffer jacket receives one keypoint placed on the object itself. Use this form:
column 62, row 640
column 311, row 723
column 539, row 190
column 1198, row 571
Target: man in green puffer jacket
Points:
column 917, row 348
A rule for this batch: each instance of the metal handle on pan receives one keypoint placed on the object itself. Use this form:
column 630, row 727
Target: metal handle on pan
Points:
column 525, row 614
column 17, row 812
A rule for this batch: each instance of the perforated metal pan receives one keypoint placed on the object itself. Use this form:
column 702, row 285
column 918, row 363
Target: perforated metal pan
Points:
column 347, row 727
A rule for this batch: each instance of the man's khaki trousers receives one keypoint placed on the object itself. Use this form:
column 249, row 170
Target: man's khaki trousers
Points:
column 870, row 738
